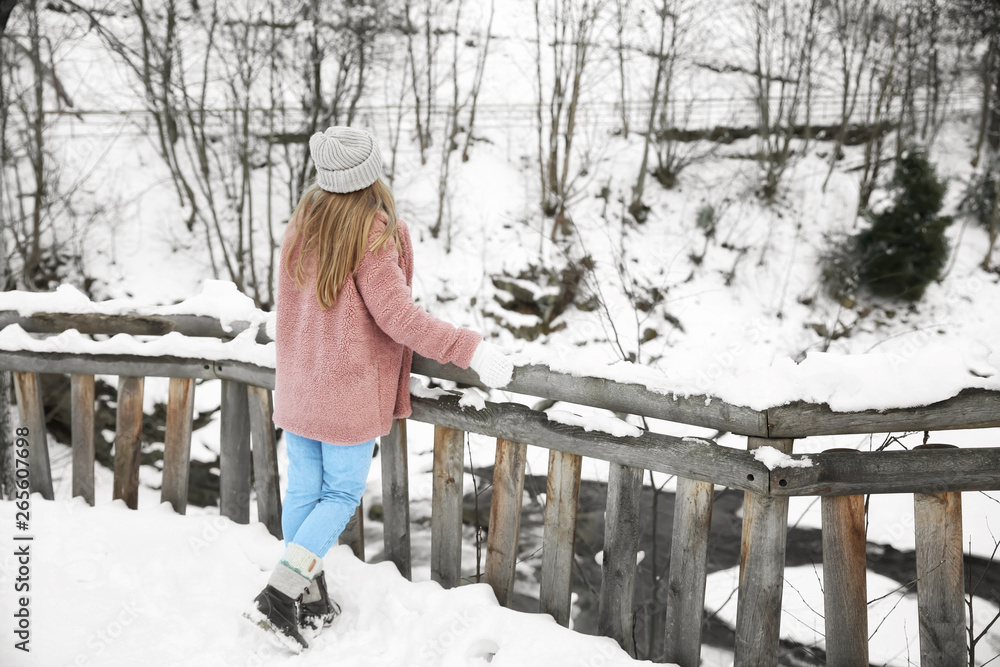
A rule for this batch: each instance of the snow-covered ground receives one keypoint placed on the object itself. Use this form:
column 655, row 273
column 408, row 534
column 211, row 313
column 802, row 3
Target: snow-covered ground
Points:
column 118, row 588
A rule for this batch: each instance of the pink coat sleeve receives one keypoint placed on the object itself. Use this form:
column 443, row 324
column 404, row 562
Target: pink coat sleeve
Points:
column 383, row 288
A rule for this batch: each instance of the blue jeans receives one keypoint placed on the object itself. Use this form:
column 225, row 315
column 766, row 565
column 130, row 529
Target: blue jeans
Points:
column 325, row 486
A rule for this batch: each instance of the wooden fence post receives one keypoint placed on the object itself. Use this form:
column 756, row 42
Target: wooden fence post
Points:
column 621, row 544
column 762, row 567
column 177, row 444
column 396, row 498
column 688, row 571
column 353, row 534
column 940, row 580
column 128, row 440
column 845, row 589
column 265, row 459
column 446, row 507
column 32, row 413
column 82, row 418
column 234, row 455
column 562, row 497
column 505, row 518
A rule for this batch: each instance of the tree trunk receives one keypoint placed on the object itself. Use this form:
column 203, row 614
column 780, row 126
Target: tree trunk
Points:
column 994, row 229
column 33, row 259
column 622, row 8
column 993, row 131
column 640, row 186
column 412, row 61
column 986, row 79
column 477, row 83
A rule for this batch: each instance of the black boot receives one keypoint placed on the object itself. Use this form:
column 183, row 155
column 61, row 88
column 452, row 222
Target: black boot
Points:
column 320, row 613
column 274, row 611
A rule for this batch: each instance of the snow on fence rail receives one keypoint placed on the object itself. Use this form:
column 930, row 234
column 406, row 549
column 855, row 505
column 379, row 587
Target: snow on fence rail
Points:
column 235, row 350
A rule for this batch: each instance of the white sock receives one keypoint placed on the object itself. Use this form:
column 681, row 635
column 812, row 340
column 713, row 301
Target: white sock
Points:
column 295, row 570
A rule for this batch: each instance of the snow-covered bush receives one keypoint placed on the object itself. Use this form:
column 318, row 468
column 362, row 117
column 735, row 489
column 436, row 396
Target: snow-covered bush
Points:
column 904, row 249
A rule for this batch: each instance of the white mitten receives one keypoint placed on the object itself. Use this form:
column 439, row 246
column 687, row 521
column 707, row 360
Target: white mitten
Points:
column 492, row 365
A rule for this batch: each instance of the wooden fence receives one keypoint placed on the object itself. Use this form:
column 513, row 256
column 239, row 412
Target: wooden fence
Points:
column 935, row 474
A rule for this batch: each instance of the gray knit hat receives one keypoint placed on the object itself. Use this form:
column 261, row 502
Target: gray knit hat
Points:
column 346, row 159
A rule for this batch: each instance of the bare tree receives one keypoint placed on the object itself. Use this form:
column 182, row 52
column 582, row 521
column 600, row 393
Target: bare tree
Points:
column 214, row 152
column 972, row 587
column 31, row 195
column 882, row 91
column 415, row 80
column 855, row 27
column 932, row 105
column 422, row 70
column 432, row 40
column 36, row 148
column 395, row 124
column 477, row 81
column 663, row 62
column 449, row 145
column 244, row 33
column 990, row 76
column 993, row 227
column 782, row 41
column 932, row 54
column 459, row 101
column 978, row 22
column 152, row 57
column 272, row 90
column 570, row 28
column 341, row 37
column 623, row 10
column 7, row 211
column 667, row 114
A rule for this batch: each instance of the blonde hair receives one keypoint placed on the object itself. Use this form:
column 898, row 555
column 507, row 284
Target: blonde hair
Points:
column 330, row 232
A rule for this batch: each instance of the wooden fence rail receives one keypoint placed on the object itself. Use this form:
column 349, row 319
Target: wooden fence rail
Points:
column 935, row 475
column 971, row 408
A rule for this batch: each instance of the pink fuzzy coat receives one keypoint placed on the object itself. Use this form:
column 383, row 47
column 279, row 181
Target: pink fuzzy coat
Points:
column 342, row 375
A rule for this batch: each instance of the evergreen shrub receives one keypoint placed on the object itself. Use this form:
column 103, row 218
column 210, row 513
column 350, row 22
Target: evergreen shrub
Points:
column 904, row 249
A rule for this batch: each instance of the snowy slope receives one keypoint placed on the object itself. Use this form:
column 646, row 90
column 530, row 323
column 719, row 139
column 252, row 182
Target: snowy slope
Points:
column 733, row 305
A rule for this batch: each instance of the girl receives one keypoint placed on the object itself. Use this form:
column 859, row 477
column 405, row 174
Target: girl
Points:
column 346, row 331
